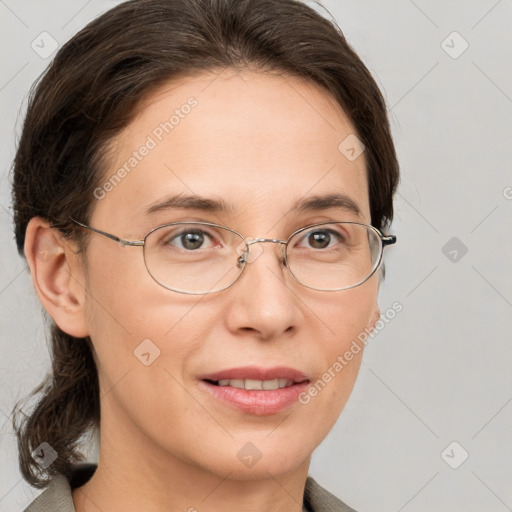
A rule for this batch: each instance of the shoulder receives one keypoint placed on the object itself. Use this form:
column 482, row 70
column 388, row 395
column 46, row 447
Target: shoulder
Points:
column 57, row 495
column 318, row 499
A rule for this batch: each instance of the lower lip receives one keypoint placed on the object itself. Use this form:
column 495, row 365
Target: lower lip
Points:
column 258, row 402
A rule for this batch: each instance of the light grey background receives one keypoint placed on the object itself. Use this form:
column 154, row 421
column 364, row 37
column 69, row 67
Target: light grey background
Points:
column 440, row 371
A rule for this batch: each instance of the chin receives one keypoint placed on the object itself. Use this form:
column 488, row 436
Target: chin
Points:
column 262, row 456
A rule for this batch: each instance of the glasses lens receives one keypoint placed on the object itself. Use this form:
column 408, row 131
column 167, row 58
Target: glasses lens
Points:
column 334, row 256
column 194, row 257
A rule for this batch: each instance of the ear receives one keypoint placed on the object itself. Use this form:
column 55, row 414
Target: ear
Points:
column 58, row 276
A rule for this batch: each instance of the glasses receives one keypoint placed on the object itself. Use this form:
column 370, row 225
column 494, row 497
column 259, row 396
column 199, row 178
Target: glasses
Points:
column 202, row 257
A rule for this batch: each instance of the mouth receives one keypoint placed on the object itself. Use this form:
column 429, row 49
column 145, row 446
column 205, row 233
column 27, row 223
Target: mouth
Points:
column 254, row 390
column 255, row 384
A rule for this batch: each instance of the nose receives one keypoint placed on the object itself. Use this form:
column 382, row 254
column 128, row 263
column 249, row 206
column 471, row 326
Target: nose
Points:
column 264, row 301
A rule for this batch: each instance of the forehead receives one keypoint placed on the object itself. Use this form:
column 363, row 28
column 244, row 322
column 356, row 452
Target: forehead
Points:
column 256, row 143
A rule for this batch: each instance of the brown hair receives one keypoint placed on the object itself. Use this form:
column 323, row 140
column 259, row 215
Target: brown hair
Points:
column 90, row 92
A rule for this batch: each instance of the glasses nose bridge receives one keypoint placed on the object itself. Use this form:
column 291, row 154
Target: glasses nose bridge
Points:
column 274, row 240
column 271, row 240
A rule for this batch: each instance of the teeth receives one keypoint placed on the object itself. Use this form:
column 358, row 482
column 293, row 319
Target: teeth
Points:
column 266, row 385
column 271, row 384
column 253, row 384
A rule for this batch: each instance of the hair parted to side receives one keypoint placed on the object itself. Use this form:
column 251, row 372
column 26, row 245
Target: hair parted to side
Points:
column 91, row 91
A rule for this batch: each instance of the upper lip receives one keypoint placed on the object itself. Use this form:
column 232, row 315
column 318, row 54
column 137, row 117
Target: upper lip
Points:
column 257, row 373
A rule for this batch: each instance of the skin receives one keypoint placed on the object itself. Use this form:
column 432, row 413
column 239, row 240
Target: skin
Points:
column 260, row 142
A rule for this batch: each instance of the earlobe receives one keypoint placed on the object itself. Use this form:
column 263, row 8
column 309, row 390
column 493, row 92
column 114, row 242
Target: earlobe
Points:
column 57, row 276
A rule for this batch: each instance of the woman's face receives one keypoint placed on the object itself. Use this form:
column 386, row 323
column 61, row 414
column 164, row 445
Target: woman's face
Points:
column 257, row 144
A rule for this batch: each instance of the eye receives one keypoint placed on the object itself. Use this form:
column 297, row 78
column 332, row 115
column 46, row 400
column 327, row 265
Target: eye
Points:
column 191, row 239
column 321, row 238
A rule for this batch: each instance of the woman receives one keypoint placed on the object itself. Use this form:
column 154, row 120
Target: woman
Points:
column 200, row 190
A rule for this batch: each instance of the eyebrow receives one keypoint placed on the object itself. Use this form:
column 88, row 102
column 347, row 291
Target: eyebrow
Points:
column 316, row 203
column 310, row 204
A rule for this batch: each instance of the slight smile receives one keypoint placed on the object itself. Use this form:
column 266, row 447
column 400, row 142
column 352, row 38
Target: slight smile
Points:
column 255, row 390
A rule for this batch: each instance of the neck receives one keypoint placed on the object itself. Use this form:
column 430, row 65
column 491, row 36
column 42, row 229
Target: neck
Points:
column 134, row 474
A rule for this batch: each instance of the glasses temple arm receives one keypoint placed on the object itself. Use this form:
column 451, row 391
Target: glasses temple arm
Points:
column 108, row 235
column 388, row 239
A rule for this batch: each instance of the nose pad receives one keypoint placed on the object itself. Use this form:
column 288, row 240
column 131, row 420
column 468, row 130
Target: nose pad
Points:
column 248, row 252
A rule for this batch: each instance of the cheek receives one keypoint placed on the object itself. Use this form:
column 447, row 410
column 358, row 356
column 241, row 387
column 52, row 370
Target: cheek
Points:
column 128, row 312
column 345, row 328
column 349, row 316
column 123, row 297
